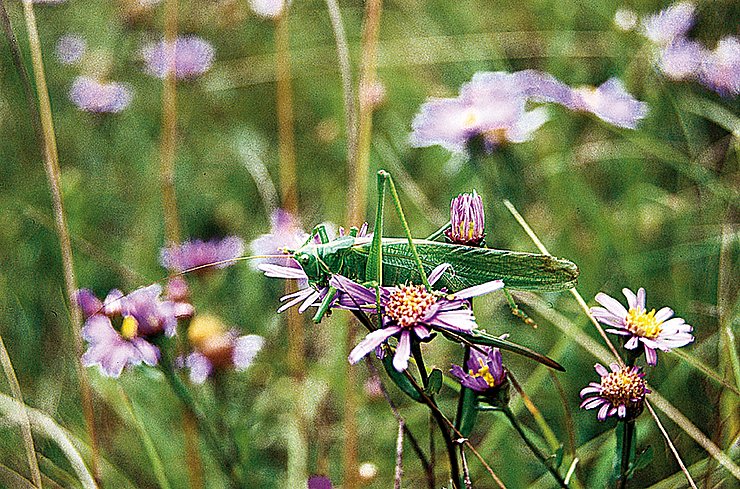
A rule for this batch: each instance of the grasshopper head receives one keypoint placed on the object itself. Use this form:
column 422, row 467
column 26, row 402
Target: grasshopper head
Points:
column 308, row 258
column 320, row 260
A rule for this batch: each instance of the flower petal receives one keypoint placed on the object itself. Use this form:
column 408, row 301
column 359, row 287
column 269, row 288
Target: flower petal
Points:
column 481, row 289
column 403, row 352
column 372, row 340
column 611, row 304
column 437, row 273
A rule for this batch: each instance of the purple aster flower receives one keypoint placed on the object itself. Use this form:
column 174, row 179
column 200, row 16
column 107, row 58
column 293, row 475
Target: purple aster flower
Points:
column 538, row 86
column 721, row 68
column 410, row 309
column 218, row 349
column 220, row 253
column 490, row 105
column 681, row 59
column 467, row 220
column 285, row 234
column 319, row 482
column 113, row 350
column 655, row 330
column 485, row 370
column 612, row 103
column 621, row 391
column 98, row 97
column 70, row 49
column 151, row 315
column 670, row 24
column 193, row 57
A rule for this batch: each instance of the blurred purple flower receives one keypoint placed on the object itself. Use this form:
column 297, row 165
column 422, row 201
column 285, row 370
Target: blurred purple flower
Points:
column 670, row 24
column 612, row 103
column 721, row 68
column 319, row 482
column 625, row 19
column 285, row 234
column 70, row 48
column 485, row 370
column 621, row 391
column 94, row 96
column 467, row 220
column 490, row 105
column 193, row 57
column 653, row 330
column 198, row 253
column 216, row 348
column 141, row 314
column 681, row 59
column 410, row 308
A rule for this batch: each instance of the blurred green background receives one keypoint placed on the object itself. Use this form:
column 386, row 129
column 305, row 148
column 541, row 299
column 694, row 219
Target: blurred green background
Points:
column 645, row 208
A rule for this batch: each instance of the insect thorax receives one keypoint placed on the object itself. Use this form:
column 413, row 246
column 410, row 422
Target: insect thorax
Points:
column 320, row 261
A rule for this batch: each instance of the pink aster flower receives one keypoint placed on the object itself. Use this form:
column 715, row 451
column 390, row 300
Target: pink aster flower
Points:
column 721, row 68
column 654, row 330
column 193, row 57
column 670, row 24
column 216, row 348
column 138, row 316
column 467, row 220
column 410, row 309
column 485, row 370
column 612, row 103
column 99, row 97
column 621, row 391
column 285, row 233
column 681, row 59
column 198, row 253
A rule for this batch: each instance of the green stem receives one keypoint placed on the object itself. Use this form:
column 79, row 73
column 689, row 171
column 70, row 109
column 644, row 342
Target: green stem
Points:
column 439, row 232
column 628, row 433
column 416, row 351
column 460, row 399
column 536, row 451
column 226, row 460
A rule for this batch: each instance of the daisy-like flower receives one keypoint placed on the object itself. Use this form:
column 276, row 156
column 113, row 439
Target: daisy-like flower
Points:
column 670, row 24
column 491, row 105
column 611, row 103
column 681, row 59
column 70, row 48
column 193, row 57
column 139, row 316
column 621, row 391
column 408, row 309
column 285, row 233
column 485, row 371
column 654, row 330
column 467, row 220
column 197, row 253
column 217, row 348
column 721, row 68
column 99, row 97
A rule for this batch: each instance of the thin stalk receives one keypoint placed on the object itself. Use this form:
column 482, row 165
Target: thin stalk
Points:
column 53, row 174
column 168, row 147
column 547, row 432
column 15, row 389
column 226, row 460
column 460, row 404
column 466, row 471
column 532, row 447
column 628, row 433
column 399, row 456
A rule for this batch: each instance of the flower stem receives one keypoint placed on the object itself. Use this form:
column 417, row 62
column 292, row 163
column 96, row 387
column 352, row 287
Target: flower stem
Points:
column 228, row 460
column 628, row 433
column 536, row 451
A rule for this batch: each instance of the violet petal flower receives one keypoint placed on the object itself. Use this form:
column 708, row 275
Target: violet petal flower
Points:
column 193, row 57
column 407, row 309
column 198, row 253
column 612, row 103
column 70, row 49
column 721, row 68
column 485, row 371
column 655, row 330
column 285, row 233
column 621, row 392
column 467, row 220
column 94, row 96
column 110, row 351
column 669, row 24
column 681, row 59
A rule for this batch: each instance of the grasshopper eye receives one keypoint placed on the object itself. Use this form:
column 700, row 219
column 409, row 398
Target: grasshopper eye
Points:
column 304, row 259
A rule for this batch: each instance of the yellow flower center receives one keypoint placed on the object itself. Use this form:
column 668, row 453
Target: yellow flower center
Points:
column 622, row 387
column 642, row 323
column 485, row 373
column 408, row 304
column 497, row 136
column 468, row 233
column 203, row 327
column 129, row 327
column 470, row 120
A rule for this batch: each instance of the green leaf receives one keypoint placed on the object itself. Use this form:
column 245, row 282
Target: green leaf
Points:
column 401, row 380
column 479, row 337
column 641, row 461
column 469, row 412
column 435, row 382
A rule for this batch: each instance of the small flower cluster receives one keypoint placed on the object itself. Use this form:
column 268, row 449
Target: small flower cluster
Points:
column 679, row 57
column 493, row 106
column 622, row 391
column 190, row 56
